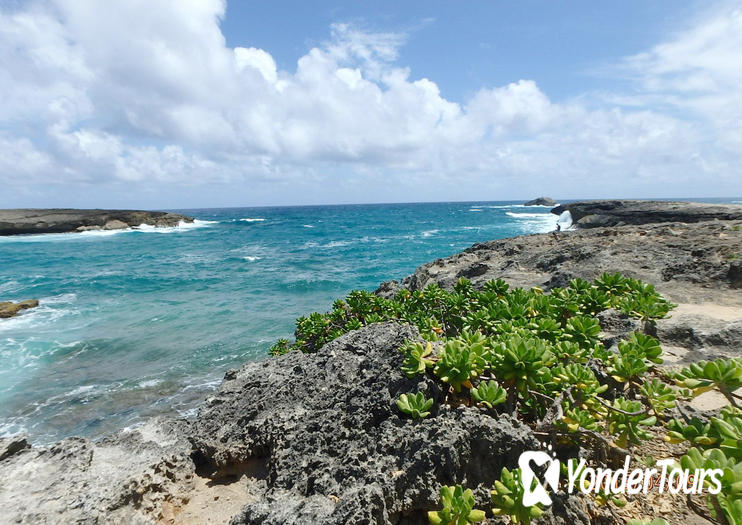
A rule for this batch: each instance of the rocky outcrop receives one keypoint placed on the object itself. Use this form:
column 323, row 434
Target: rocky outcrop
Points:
column 595, row 214
column 25, row 221
column 541, row 201
column 687, row 262
column 10, row 309
column 306, row 439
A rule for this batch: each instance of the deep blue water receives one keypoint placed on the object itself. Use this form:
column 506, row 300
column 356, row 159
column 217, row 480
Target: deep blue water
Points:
column 138, row 323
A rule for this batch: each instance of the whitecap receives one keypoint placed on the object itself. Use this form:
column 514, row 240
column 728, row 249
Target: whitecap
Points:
column 249, row 219
column 527, row 215
column 307, row 225
column 182, row 226
column 251, row 258
column 475, row 209
column 429, row 233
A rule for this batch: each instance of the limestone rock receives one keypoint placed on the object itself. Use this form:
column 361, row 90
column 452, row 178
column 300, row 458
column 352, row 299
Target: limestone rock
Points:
column 9, row 309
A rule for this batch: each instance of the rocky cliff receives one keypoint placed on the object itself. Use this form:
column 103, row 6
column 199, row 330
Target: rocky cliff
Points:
column 594, row 214
column 316, row 438
column 24, row 221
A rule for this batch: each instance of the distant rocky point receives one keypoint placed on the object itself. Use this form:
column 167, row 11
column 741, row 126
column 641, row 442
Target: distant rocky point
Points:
column 9, row 309
column 602, row 213
column 541, row 201
column 24, row 221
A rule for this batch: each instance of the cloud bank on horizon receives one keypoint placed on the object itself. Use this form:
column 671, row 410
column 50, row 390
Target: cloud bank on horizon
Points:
column 127, row 102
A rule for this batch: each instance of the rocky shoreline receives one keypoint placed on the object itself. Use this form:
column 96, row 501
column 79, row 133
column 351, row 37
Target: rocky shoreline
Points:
column 317, row 438
column 30, row 221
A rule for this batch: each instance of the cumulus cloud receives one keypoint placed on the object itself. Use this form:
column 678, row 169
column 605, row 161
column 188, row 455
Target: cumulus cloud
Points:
column 147, row 92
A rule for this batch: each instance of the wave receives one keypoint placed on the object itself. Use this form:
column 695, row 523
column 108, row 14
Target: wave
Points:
column 475, row 209
column 249, row 219
column 182, row 226
column 429, row 233
column 251, row 258
column 307, row 225
column 529, row 215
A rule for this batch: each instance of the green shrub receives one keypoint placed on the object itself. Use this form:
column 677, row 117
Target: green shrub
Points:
column 507, row 498
column 417, row 406
column 629, row 427
column 489, row 393
column 458, row 508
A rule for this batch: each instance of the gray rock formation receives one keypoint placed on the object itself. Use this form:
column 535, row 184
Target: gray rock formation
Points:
column 541, row 201
column 307, row 438
column 10, row 309
column 595, row 214
column 24, row 221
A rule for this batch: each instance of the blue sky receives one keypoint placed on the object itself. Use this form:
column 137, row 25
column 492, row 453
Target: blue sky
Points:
column 202, row 103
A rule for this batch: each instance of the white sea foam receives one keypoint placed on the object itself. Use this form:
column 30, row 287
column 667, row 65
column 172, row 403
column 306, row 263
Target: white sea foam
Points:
column 475, row 209
column 182, row 226
column 528, row 215
column 251, row 258
column 307, row 225
column 249, row 219
column 429, row 233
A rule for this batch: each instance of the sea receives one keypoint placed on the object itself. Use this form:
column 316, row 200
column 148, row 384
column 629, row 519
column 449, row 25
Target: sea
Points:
column 145, row 322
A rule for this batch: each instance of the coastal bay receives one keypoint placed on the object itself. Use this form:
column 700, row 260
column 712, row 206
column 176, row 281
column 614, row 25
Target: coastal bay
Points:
column 247, row 447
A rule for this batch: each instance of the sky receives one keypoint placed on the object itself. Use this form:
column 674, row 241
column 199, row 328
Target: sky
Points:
column 178, row 104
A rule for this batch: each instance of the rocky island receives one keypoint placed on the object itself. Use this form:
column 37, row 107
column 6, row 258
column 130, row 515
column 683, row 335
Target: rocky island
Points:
column 27, row 221
column 318, row 438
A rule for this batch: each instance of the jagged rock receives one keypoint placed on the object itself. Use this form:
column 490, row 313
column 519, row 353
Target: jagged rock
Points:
column 336, row 448
column 593, row 214
column 125, row 478
column 541, row 201
column 24, row 221
column 12, row 445
column 9, row 309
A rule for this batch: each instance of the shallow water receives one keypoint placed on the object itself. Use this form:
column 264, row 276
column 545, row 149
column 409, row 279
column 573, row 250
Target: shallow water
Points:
column 145, row 322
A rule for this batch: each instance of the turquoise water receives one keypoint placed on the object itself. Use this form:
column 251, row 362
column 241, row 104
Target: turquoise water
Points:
column 145, row 322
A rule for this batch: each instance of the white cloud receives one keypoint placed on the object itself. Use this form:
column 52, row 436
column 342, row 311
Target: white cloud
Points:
column 147, row 92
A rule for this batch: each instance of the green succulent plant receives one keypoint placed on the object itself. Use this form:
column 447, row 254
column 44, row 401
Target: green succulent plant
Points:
column 614, row 284
column 659, row 396
column 635, row 355
column 628, row 424
column 723, row 374
column 417, row 406
column 727, row 504
column 696, row 431
column 416, row 358
column 489, row 393
column 459, row 363
column 280, row 347
column 507, row 499
column 575, row 419
column 519, row 361
column 584, row 331
column 458, row 508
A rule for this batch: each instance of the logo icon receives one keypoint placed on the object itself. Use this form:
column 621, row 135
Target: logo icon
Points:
column 536, row 493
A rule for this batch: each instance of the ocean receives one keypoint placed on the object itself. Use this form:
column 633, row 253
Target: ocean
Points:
column 145, row 322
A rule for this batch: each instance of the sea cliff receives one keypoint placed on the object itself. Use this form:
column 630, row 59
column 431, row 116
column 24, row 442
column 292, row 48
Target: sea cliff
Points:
column 318, row 438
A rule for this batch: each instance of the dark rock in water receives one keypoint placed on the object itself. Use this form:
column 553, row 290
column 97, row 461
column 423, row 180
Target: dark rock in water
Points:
column 541, row 201
column 594, row 214
column 9, row 309
column 24, row 221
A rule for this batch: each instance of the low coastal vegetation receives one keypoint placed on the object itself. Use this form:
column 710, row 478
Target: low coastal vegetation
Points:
column 539, row 357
